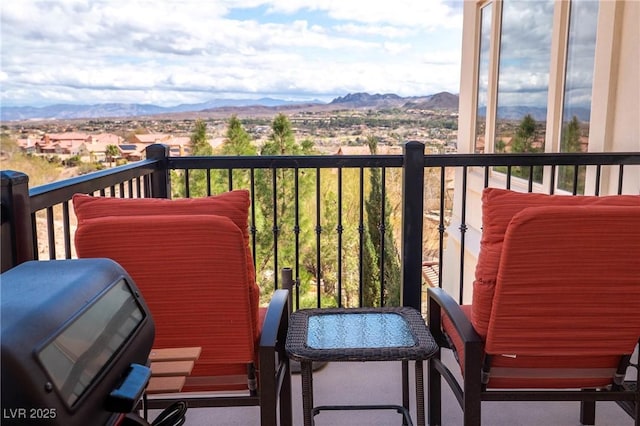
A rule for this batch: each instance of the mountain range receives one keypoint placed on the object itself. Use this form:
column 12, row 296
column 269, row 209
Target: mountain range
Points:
column 268, row 107
column 443, row 100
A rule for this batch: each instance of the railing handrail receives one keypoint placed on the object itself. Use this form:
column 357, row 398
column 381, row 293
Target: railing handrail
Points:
column 286, row 161
column 533, row 159
column 43, row 196
column 97, row 180
column 396, row 160
column 46, row 195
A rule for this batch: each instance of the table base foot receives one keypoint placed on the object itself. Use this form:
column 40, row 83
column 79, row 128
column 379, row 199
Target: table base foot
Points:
column 399, row 408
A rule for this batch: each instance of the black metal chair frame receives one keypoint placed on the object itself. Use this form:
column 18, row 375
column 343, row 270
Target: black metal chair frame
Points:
column 472, row 392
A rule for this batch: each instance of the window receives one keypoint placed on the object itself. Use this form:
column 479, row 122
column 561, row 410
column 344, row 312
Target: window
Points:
column 523, row 79
column 513, row 85
column 483, row 77
column 576, row 111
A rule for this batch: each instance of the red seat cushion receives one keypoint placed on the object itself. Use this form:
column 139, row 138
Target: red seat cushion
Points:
column 535, row 371
column 454, row 337
column 498, row 208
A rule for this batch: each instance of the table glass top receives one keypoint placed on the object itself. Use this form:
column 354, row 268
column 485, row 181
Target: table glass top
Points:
column 358, row 330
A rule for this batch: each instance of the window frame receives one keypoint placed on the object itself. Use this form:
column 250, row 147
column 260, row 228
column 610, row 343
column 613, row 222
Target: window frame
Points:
column 556, row 88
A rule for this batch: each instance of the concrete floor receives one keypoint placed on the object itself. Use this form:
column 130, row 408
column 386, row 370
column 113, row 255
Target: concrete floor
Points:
column 380, row 383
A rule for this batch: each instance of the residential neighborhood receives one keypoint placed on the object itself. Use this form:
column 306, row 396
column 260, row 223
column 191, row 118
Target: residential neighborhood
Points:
column 330, row 131
column 95, row 147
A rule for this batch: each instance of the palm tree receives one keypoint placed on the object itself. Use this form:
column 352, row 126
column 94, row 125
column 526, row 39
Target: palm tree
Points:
column 111, row 151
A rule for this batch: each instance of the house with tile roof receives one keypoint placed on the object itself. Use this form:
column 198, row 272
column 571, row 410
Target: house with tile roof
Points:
column 62, row 143
column 151, row 138
column 179, row 145
column 132, row 151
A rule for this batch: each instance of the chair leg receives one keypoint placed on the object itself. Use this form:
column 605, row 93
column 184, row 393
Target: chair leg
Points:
column 268, row 392
column 472, row 412
column 434, row 398
column 284, row 401
column 268, row 414
column 588, row 412
column 472, row 394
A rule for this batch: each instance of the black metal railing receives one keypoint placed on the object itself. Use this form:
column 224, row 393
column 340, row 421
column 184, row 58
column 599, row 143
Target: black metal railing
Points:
column 37, row 223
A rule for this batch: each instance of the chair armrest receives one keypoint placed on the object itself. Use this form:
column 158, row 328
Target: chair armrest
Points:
column 276, row 318
column 441, row 302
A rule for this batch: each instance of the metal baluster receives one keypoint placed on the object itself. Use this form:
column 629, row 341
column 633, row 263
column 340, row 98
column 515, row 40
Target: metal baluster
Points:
column 318, row 239
column 339, row 230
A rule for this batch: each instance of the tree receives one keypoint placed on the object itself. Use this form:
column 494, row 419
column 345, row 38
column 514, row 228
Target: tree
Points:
column 570, row 142
column 199, row 141
column 237, row 141
column 523, row 142
column 197, row 178
column 346, row 262
column 525, row 135
column 380, row 241
column 281, row 141
column 110, row 152
column 571, row 136
column 275, row 209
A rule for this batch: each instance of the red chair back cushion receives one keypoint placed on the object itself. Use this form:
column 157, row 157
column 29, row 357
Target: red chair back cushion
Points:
column 498, row 208
column 566, row 300
column 568, row 283
column 191, row 270
column 567, row 296
column 232, row 204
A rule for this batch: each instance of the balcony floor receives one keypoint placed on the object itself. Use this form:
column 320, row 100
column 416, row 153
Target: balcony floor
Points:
column 380, row 383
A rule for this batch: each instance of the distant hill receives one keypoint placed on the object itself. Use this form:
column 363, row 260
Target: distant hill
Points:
column 67, row 111
column 365, row 100
column 247, row 107
column 266, row 107
column 442, row 100
column 120, row 110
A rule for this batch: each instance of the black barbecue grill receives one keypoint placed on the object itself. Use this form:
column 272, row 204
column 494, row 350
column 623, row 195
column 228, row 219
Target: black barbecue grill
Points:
column 76, row 336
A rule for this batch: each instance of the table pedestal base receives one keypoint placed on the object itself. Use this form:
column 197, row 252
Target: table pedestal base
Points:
column 309, row 411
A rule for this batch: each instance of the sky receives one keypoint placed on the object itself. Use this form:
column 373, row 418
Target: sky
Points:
column 171, row 52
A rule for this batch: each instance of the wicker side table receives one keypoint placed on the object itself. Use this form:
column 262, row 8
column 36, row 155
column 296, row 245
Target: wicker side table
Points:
column 360, row 334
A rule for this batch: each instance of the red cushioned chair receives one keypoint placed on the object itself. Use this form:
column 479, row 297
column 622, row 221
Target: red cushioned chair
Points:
column 192, row 262
column 556, row 306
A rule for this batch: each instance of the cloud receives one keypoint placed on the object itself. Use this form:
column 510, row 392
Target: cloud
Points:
column 525, row 53
column 424, row 14
column 386, row 31
column 172, row 51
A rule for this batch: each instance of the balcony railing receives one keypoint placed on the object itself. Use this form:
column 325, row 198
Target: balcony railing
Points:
column 315, row 210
